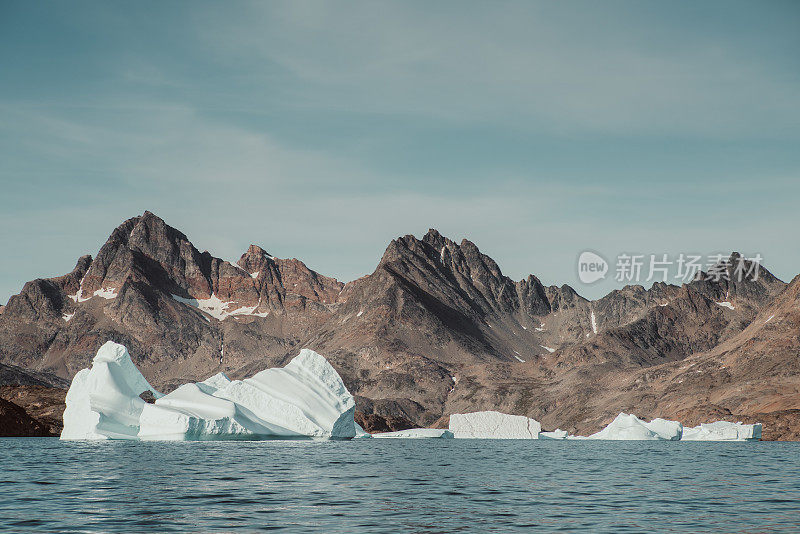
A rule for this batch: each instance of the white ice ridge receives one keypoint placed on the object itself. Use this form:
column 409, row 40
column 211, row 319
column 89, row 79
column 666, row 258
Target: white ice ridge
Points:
column 306, row 398
column 726, row 304
column 417, row 433
column 494, row 425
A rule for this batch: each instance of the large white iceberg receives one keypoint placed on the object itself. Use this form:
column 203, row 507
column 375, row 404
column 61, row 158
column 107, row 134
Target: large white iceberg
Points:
column 306, row 398
column 629, row 427
column 723, row 431
column 416, row 433
column 494, row 425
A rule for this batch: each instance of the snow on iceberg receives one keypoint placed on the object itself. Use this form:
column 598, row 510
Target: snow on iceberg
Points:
column 306, row 398
column 629, row 427
column 494, row 425
column 103, row 402
column 417, row 433
column 723, row 431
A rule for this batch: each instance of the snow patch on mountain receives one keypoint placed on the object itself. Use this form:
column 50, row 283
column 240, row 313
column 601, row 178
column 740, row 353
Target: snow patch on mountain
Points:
column 217, row 308
column 106, row 293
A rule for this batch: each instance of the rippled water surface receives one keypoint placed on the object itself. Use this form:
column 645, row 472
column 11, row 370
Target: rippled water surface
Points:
column 396, row 486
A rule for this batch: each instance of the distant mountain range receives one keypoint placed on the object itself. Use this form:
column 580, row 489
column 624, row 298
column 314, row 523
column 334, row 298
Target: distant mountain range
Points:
column 435, row 329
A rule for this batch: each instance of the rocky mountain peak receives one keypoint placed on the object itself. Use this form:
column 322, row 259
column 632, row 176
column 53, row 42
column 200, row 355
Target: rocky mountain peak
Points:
column 435, row 239
column 254, row 260
column 737, row 278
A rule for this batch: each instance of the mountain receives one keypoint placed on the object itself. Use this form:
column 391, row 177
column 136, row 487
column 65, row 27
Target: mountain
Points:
column 435, row 329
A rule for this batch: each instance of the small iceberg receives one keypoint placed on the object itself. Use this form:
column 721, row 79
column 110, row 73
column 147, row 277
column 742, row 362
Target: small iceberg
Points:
column 723, row 431
column 417, row 433
column 555, row 434
column 360, row 432
column 629, row 427
column 493, row 425
column 306, row 398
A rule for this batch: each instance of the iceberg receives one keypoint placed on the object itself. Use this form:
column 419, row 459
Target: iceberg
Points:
column 416, row 433
column 493, row 425
column 496, row 425
column 723, row 431
column 361, row 433
column 192, row 412
column 555, row 434
column 629, row 427
column 306, row 398
column 103, row 402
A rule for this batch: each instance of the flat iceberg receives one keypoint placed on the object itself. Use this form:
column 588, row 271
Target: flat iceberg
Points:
column 629, row 427
column 723, row 431
column 417, row 433
column 493, row 425
column 306, row 398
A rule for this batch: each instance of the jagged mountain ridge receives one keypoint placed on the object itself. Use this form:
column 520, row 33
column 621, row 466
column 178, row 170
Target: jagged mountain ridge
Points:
column 436, row 327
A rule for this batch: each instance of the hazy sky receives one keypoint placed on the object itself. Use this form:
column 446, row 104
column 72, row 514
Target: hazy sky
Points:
column 323, row 130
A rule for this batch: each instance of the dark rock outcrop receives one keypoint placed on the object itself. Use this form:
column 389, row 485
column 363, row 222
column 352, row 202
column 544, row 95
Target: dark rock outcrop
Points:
column 15, row 422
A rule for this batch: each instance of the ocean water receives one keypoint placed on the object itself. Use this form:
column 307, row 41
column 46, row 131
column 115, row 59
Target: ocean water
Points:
column 398, row 486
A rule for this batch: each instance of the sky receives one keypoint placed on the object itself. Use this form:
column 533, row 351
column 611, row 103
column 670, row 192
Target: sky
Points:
column 323, row 130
